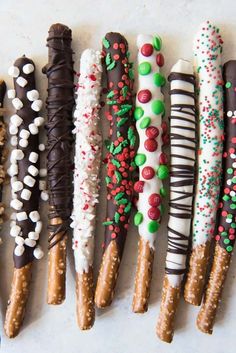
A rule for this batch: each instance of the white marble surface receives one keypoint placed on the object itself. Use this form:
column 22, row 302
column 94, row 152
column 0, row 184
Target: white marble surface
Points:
column 23, row 30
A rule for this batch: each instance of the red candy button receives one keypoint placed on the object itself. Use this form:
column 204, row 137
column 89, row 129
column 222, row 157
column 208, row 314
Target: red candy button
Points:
column 148, row 173
column 163, row 158
column 144, row 96
column 147, row 49
column 150, row 145
column 154, row 213
column 138, row 186
column 154, row 200
column 160, row 60
column 152, row 132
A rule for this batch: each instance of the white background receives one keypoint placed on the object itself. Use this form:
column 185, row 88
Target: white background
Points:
column 23, row 30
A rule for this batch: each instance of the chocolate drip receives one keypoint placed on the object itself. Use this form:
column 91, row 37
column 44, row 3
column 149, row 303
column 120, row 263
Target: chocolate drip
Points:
column 2, row 142
column 60, row 102
column 28, row 115
column 120, row 85
column 181, row 175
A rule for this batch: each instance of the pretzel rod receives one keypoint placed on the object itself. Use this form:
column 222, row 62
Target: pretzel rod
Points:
column 2, row 143
column 182, row 170
column 151, row 161
column 208, row 70
column 60, row 102
column 86, row 181
column 119, row 162
column 226, row 222
column 24, row 172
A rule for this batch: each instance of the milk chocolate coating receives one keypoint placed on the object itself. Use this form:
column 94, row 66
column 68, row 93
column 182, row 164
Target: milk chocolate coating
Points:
column 2, row 92
column 2, row 131
column 28, row 115
column 60, row 102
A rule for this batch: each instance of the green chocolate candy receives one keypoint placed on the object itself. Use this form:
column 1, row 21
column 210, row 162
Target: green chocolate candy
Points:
column 138, row 113
column 163, row 192
column 144, row 68
column 157, row 43
column 158, row 107
column 138, row 218
column 228, row 84
column 229, row 248
column 145, row 122
column 163, row 172
column 140, row 159
column 153, row 226
column 159, row 80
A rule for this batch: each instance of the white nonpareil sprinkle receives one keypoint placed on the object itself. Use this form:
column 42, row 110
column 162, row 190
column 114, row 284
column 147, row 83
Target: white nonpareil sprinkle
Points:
column 16, row 204
column 41, row 147
column 33, row 170
column 17, row 186
column 14, row 141
column 15, row 230
column 23, row 143
column 33, row 157
column 17, row 155
column 29, row 181
column 39, row 121
column 13, row 129
column 30, row 242
column 44, row 196
column 38, row 227
column 24, row 134
column 19, row 240
column 16, row 120
column 21, row 81
column 19, row 250
column 34, row 216
column 33, row 235
column 32, row 95
column 37, row 105
column 17, row 103
column 11, row 93
column 43, row 172
column 38, row 253
column 28, row 68
column 21, row 216
column 25, row 194
column 13, row 71
column 33, row 129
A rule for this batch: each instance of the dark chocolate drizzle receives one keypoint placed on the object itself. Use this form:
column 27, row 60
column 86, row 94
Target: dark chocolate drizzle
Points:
column 28, row 115
column 181, row 175
column 2, row 142
column 60, row 102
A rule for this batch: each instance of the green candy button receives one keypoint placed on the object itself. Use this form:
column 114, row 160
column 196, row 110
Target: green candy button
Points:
column 226, row 241
column 153, row 226
column 228, row 84
column 157, row 43
column 229, row 248
column 233, row 225
column 138, row 218
column 159, row 80
column 138, row 113
column 144, row 68
column 163, row 172
column 140, row 159
column 145, row 123
column 226, row 198
column 163, row 192
column 158, row 107
column 232, row 206
column 230, row 171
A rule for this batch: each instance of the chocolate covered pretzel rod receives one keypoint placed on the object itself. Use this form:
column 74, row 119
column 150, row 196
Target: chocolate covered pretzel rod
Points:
column 226, row 221
column 208, row 70
column 182, row 172
column 60, row 102
column 86, row 181
column 24, row 172
column 151, row 161
column 119, row 162
column 2, row 143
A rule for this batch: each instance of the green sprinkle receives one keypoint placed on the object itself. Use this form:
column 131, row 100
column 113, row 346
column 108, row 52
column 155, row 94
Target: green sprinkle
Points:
column 138, row 218
column 111, row 94
column 159, row 80
column 138, row 113
column 111, row 102
column 131, row 74
column 122, row 202
column 157, row 43
column 124, row 91
column 162, row 172
column 108, row 59
column 124, row 109
column 130, row 133
column 106, row 43
column 145, row 123
column 111, row 66
column 128, row 207
column 158, row 107
column 107, row 223
column 111, row 148
column 117, row 217
column 121, row 122
column 132, row 141
column 118, row 177
column 153, row 226
column 140, row 159
column 107, row 180
column 163, row 192
column 116, row 163
column 228, row 84
column 119, row 196
column 144, row 68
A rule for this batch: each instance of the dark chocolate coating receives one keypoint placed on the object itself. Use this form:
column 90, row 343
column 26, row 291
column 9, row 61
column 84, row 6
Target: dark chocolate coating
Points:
column 3, row 88
column 28, row 115
column 115, row 51
column 60, row 102
column 2, row 132
column 227, row 207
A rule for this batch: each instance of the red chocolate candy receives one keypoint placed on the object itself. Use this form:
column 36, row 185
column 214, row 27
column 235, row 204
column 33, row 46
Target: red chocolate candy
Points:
column 138, row 186
column 150, row 145
column 144, row 96
column 154, row 213
column 147, row 49
column 152, row 132
column 154, row 200
column 148, row 173
column 160, row 60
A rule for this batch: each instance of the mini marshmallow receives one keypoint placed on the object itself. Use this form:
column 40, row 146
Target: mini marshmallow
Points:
column 29, row 181
column 13, row 179
column 33, row 170
column 34, row 216
column 21, row 216
column 33, row 129
column 38, row 227
column 13, row 71
column 13, row 216
column 16, row 120
column 33, row 235
column 42, row 185
column 21, row 81
column 13, row 195
column 43, row 172
column 39, row 121
column 37, row 105
column 13, row 129
column 23, row 143
column 28, row 68
column 15, row 230
column 25, row 194
column 13, row 170
column 11, row 93
column 16, row 204
column 24, row 134
column 32, row 95
column 30, row 242
column 14, row 141
column 33, row 157
column 19, row 240
column 38, row 253
column 17, row 104
column 12, row 224
column 17, row 155
column 44, row 196
column 19, row 250
column 41, row 147
column 17, row 186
